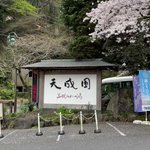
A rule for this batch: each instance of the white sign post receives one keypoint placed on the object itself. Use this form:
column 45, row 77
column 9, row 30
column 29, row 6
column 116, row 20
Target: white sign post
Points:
column 70, row 89
column 97, row 130
column 39, row 133
column 1, row 118
column 1, row 111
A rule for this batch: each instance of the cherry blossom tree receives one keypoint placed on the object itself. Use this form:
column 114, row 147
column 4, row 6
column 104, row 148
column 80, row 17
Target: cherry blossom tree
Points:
column 120, row 17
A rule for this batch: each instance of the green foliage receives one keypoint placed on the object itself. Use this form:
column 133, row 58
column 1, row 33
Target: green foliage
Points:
column 135, row 55
column 6, row 85
column 24, row 108
column 82, row 47
column 23, row 7
column 38, row 110
column 73, row 13
column 64, row 110
column 68, row 113
column 6, row 94
column 24, row 95
column 4, row 77
column 30, row 106
column 10, row 12
column 14, row 115
column 53, row 117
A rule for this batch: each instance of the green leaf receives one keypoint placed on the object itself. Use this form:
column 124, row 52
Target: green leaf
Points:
column 24, row 8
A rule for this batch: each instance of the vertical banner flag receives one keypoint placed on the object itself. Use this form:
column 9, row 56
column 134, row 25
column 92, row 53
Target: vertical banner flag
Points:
column 34, row 86
column 144, row 78
column 137, row 95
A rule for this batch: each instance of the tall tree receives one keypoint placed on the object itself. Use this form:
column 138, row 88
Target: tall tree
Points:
column 115, row 17
column 73, row 12
column 125, row 26
column 10, row 12
column 48, row 9
column 37, row 37
column 30, row 49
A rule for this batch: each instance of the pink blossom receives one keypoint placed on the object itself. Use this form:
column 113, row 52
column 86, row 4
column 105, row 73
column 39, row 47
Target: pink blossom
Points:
column 115, row 17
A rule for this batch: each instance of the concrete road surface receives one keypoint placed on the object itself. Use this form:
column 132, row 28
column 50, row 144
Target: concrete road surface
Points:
column 114, row 136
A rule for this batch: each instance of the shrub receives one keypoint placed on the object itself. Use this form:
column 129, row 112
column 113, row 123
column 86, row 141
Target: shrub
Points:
column 27, row 107
column 6, row 94
column 64, row 110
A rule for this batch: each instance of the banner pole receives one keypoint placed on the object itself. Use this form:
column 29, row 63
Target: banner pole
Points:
column 145, row 115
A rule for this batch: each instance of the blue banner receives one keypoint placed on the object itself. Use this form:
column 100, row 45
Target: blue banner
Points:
column 137, row 95
column 144, row 79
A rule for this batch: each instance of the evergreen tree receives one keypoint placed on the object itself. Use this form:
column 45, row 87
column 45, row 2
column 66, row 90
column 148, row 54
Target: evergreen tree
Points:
column 73, row 13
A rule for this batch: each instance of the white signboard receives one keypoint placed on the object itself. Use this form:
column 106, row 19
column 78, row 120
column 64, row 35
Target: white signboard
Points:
column 1, row 111
column 71, row 89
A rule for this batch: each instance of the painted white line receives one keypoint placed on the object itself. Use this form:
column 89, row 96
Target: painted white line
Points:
column 121, row 133
column 7, row 135
column 58, row 138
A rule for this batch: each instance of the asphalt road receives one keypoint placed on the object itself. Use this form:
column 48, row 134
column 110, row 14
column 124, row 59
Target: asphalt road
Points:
column 114, row 136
